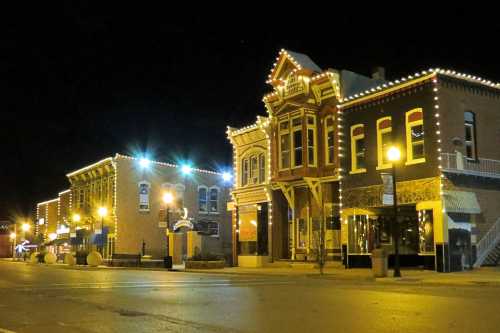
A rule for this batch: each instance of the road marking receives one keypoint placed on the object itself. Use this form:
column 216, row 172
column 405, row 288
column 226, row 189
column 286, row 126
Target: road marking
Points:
column 156, row 285
column 144, row 282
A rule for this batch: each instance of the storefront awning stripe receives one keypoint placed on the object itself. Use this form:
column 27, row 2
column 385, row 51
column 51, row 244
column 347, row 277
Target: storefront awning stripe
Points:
column 461, row 202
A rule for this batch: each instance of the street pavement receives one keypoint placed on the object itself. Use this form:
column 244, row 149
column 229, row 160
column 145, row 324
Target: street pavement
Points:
column 42, row 298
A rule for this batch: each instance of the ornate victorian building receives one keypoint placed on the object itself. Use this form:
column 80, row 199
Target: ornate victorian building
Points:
column 286, row 165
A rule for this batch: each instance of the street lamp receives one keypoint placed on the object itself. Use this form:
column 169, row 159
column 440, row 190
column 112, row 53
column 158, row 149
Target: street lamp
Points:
column 168, row 198
column 77, row 217
column 26, row 227
column 394, row 155
column 102, row 211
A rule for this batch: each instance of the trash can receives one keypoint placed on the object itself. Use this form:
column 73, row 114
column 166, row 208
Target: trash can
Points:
column 379, row 262
column 81, row 257
column 167, row 262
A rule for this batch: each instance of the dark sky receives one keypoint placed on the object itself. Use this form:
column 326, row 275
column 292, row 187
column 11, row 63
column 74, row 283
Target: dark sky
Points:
column 81, row 82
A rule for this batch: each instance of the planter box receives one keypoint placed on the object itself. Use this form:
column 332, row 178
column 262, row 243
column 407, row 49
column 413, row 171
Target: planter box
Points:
column 191, row 264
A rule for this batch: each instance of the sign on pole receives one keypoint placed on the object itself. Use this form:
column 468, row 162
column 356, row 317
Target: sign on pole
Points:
column 387, row 196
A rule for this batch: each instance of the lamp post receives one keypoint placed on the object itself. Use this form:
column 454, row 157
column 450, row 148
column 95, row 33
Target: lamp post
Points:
column 168, row 198
column 394, row 155
column 103, row 211
column 13, row 236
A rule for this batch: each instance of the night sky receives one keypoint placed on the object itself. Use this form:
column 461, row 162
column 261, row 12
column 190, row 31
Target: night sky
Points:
column 81, row 83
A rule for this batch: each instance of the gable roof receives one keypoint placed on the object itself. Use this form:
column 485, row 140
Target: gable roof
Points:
column 304, row 60
column 298, row 60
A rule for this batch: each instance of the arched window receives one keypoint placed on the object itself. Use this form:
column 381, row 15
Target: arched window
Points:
column 415, row 152
column 384, row 140
column 358, row 149
column 144, row 189
column 213, row 200
column 253, row 168
column 202, row 199
column 179, row 195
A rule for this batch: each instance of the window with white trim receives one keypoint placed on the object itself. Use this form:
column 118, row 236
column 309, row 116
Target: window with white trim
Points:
column 244, row 172
column 358, row 149
column 297, row 142
column 415, row 152
column 253, row 168
column 179, row 190
column 311, row 140
column 202, row 199
column 144, row 189
column 213, row 200
column 384, row 141
column 262, row 168
column 470, row 135
column 329, row 140
column 284, row 144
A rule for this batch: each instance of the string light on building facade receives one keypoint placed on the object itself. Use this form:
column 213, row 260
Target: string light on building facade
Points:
column 435, row 84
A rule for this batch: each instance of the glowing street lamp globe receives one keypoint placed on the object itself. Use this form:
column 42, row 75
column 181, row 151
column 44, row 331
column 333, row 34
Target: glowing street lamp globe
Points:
column 226, row 176
column 144, row 162
column 103, row 211
column 393, row 154
column 12, row 235
column 168, row 198
column 186, row 169
column 76, row 218
column 26, row 227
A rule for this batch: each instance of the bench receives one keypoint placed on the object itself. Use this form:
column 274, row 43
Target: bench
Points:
column 123, row 259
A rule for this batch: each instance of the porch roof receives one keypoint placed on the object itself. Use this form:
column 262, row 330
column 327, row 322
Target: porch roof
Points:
column 461, row 202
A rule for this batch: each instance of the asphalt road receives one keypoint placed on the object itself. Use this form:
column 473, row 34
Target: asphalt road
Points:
column 47, row 299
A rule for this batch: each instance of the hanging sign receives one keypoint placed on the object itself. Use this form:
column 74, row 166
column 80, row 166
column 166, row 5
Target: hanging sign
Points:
column 388, row 195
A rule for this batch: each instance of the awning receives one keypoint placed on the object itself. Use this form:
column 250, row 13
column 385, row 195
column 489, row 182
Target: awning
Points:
column 461, row 202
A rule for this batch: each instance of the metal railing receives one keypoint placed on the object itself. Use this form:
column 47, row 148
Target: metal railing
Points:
column 458, row 163
column 487, row 243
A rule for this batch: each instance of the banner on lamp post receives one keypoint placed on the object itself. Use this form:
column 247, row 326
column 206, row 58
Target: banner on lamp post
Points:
column 388, row 194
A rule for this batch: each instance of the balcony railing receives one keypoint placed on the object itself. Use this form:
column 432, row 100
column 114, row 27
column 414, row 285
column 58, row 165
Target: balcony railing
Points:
column 458, row 163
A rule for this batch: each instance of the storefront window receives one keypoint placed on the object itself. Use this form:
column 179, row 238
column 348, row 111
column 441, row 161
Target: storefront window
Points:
column 409, row 234
column 425, row 231
column 361, row 234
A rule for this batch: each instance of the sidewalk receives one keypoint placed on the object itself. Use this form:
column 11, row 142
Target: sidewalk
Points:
column 489, row 276
column 485, row 276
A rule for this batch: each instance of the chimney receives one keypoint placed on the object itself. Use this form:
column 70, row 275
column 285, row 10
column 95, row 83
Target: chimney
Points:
column 378, row 73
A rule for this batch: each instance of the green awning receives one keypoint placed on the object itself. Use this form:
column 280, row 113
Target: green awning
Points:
column 461, row 202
